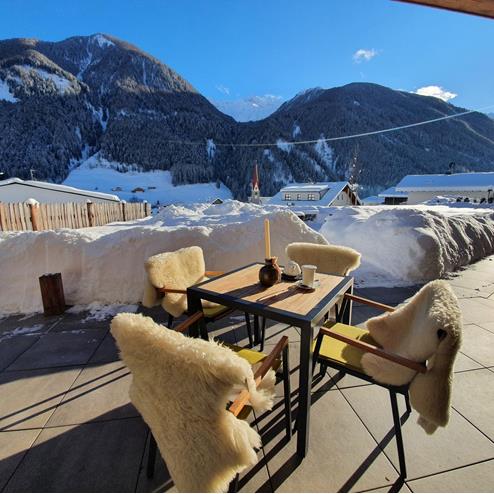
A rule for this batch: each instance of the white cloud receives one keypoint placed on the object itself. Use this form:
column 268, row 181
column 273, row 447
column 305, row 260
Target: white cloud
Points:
column 436, row 91
column 364, row 55
column 223, row 89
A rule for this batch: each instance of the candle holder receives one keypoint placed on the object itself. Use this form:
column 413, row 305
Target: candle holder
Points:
column 270, row 273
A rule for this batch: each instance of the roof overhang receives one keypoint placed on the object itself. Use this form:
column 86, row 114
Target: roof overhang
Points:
column 484, row 8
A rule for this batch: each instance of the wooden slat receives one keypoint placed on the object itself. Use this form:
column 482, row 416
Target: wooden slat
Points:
column 484, row 8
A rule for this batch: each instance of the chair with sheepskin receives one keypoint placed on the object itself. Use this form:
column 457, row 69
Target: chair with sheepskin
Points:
column 195, row 396
column 169, row 276
column 329, row 259
column 410, row 351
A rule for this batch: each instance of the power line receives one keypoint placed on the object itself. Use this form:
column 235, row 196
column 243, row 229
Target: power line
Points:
column 332, row 139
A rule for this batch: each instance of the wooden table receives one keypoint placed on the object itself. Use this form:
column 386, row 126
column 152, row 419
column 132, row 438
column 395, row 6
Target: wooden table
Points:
column 284, row 303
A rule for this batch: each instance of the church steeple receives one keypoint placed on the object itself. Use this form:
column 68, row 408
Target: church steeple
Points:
column 255, row 195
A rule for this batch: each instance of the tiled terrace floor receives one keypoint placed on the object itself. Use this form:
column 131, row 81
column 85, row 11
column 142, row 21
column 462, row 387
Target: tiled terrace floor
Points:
column 66, row 423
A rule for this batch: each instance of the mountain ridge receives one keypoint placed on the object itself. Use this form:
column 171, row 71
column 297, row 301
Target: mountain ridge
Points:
column 93, row 94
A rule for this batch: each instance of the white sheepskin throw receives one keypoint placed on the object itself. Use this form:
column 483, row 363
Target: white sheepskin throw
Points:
column 180, row 270
column 181, row 387
column 329, row 259
column 427, row 328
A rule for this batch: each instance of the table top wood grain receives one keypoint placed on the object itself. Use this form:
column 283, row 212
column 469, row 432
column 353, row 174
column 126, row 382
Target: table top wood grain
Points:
column 243, row 286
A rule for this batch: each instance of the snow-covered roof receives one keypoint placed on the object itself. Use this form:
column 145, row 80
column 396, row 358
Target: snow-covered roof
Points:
column 392, row 192
column 456, row 181
column 59, row 188
column 332, row 190
column 371, row 200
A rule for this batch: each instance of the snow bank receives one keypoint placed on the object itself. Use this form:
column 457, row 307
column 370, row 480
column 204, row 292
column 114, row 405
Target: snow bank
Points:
column 403, row 245
column 106, row 264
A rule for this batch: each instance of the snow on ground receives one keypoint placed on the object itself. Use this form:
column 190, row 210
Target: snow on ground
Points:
column 96, row 173
column 98, row 311
column 403, row 245
column 106, row 264
column 6, row 94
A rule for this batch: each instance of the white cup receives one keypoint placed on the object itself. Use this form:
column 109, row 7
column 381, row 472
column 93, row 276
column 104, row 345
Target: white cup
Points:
column 308, row 273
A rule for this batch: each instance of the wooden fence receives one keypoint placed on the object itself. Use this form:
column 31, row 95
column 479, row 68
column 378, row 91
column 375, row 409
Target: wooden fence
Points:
column 18, row 216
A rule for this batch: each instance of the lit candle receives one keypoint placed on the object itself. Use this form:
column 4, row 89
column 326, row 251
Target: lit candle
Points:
column 267, row 239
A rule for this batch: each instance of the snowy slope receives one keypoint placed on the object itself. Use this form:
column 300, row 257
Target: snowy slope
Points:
column 99, row 174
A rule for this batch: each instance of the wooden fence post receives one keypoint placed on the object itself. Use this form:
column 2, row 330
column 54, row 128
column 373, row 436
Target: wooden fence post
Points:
column 90, row 213
column 124, row 216
column 33, row 212
column 147, row 208
column 52, row 294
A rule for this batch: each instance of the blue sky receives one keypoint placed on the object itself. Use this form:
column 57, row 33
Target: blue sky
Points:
column 230, row 49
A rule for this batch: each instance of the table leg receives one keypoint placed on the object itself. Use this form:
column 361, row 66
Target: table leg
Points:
column 346, row 313
column 257, row 338
column 197, row 329
column 304, row 392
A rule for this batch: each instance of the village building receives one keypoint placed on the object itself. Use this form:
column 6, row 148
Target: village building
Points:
column 469, row 187
column 255, row 191
column 17, row 190
column 393, row 197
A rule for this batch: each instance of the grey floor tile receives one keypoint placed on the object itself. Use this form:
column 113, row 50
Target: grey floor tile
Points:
column 13, row 447
column 342, row 454
column 474, row 478
column 478, row 344
column 27, row 323
column 29, row 397
column 99, row 391
column 474, row 397
column 15, row 346
column 96, row 457
column 464, row 363
column 59, row 349
column 458, row 444
column 487, row 325
column 476, row 310
column 106, row 352
column 399, row 486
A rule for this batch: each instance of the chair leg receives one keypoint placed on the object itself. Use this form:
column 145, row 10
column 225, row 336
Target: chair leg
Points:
column 233, row 487
column 151, row 456
column 170, row 321
column 317, row 349
column 249, row 329
column 407, row 402
column 287, row 392
column 263, row 333
column 399, row 438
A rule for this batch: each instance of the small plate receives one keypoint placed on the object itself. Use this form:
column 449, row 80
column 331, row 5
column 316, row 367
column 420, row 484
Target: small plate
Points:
column 287, row 277
column 308, row 288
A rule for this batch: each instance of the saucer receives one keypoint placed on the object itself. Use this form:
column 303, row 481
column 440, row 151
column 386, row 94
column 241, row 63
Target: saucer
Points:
column 306, row 287
column 289, row 277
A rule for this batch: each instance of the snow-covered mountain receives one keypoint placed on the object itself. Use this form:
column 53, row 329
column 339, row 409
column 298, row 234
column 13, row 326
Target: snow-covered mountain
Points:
column 63, row 102
column 250, row 109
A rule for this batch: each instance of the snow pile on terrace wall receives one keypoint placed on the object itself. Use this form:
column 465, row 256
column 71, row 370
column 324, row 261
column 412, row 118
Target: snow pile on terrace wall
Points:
column 406, row 245
column 106, row 264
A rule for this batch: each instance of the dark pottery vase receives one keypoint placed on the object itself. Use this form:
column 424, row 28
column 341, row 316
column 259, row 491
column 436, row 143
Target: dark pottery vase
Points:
column 270, row 273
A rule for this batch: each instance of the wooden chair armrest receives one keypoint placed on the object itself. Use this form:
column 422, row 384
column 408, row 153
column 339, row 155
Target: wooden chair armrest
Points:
column 188, row 322
column 372, row 303
column 213, row 273
column 243, row 397
column 398, row 359
column 171, row 290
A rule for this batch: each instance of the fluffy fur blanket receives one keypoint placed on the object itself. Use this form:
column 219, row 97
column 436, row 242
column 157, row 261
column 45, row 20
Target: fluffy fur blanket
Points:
column 331, row 259
column 181, row 387
column 427, row 328
column 179, row 270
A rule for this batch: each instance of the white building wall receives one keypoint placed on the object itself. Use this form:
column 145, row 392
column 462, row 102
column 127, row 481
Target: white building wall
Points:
column 418, row 197
column 342, row 199
column 16, row 192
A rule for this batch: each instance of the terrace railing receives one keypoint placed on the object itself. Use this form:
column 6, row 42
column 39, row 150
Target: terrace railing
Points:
column 33, row 216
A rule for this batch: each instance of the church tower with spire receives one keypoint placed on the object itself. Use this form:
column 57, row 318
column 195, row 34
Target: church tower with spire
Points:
column 255, row 193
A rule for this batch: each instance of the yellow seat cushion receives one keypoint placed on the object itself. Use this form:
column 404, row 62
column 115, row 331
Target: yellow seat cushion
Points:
column 341, row 352
column 254, row 358
column 214, row 311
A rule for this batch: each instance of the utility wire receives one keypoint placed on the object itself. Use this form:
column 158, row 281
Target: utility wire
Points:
column 332, row 139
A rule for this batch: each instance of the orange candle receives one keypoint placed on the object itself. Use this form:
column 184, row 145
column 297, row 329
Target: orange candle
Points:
column 267, row 239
